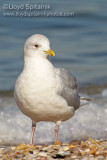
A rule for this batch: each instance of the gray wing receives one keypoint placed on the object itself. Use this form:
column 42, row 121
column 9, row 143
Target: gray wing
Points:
column 68, row 89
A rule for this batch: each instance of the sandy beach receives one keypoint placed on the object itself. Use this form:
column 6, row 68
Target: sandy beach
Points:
column 78, row 150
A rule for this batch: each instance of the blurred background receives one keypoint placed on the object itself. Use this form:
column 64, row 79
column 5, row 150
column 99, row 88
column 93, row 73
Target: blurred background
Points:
column 80, row 44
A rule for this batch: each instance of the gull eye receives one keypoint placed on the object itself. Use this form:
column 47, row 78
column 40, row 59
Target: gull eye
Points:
column 36, row 45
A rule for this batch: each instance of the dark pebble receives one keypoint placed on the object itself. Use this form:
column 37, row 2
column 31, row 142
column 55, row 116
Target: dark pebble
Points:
column 58, row 156
column 31, row 152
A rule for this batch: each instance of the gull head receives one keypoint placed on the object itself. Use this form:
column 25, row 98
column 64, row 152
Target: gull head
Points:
column 37, row 45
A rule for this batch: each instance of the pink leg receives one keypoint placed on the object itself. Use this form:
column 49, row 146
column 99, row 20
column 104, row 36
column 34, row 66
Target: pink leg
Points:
column 33, row 131
column 56, row 132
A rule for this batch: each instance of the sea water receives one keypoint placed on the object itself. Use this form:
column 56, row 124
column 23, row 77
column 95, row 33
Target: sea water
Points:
column 80, row 44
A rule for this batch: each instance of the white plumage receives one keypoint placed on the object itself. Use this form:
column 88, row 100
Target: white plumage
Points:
column 43, row 92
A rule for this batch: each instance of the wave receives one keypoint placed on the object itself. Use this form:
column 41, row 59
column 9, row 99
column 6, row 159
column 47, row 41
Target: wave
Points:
column 88, row 121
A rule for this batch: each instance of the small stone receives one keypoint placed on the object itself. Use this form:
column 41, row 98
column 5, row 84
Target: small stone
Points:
column 53, row 154
column 50, row 146
column 79, row 154
column 99, row 157
column 92, row 147
column 45, row 145
column 7, row 150
column 20, row 155
column 38, row 147
column 65, row 144
column 93, row 151
column 75, row 142
column 87, row 150
column 91, row 157
column 75, row 150
column 50, row 150
column 91, row 140
column 84, row 158
column 56, row 147
column 58, row 156
column 72, row 146
column 45, row 149
column 30, row 157
column 13, row 148
column 1, row 151
column 63, row 153
column 99, row 152
column 82, row 153
column 84, row 145
column 104, row 154
column 12, row 153
column 66, row 148
column 43, row 158
column 31, row 152
column 57, row 143
column 73, row 156
column 30, row 146
column 21, row 146
column 105, row 149
column 1, row 155
column 43, row 154
column 35, row 152
column 26, row 152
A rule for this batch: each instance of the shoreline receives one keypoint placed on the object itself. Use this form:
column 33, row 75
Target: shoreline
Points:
column 88, row 88
column 90, row 149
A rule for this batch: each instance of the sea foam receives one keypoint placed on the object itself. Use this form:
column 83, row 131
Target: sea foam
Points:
column 88, row 121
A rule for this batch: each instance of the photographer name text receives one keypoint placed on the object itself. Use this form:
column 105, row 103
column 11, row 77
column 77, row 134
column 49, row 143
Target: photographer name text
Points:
column 27, row 7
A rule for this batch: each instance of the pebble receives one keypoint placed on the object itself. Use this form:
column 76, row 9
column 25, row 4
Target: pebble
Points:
column 38, row 147
column 43, row 154
column 85, row 145
column 72, row 146
column 30, row 146
column 50, row 150
column 100, row 157
column 1, row 151
column 20, row 155
column 21, row 146
column 57, row 143
column 1, row 155
column 56, row 147
column 74, row 157
column 84, row 158
column 30, row 156
column 93, row 151
column 45, row 149
column 66, row 148
column 7, row 150
column 31, row 152
column 65, row 144
column 75, row 142
column 75, row 150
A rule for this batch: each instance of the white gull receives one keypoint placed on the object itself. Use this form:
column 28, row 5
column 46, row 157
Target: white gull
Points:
column 43, row 92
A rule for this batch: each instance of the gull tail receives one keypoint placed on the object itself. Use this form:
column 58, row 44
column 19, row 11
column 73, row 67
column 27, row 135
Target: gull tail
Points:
column 84, row 101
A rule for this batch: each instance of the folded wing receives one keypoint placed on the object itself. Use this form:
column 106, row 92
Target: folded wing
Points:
column 68, row 88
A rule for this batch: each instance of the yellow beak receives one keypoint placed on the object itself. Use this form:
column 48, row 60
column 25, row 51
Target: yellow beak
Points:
column 50, row 52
